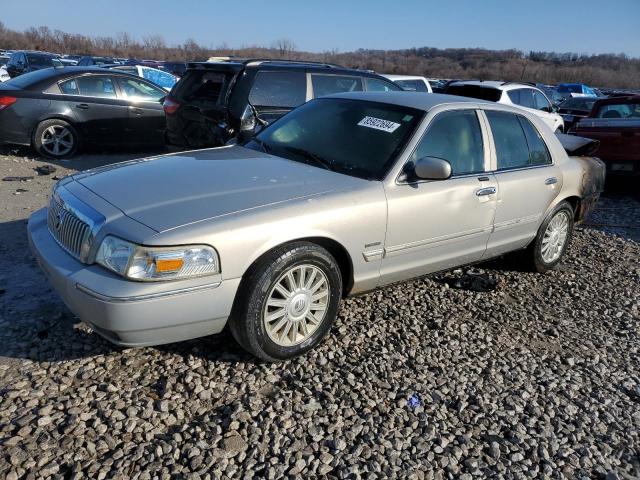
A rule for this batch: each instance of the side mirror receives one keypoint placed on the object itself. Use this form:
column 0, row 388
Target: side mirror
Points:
column 162, row 99
column 432, row 168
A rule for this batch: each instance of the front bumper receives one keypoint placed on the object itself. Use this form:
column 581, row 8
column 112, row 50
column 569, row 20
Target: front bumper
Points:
column 131, row 313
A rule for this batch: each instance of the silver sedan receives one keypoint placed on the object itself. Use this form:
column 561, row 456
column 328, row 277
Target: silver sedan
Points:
column 343, row 195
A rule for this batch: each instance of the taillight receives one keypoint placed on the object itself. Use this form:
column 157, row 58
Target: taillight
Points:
column 170, row 106
column 7, row 101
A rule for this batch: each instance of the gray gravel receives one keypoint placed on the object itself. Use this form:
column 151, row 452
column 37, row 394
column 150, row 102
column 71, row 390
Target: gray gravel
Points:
column 539, row 377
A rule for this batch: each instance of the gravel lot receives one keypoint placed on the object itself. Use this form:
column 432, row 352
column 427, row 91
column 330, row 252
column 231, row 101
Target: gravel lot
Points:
column 539, row 377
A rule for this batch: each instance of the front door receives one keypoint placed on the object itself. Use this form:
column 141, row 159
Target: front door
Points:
column 146, row 121
column 436, row 225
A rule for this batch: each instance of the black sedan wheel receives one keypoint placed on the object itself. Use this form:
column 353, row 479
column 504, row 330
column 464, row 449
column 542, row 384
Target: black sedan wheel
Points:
column 56, row 139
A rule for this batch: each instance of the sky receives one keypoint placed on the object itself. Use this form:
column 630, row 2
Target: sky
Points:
column 581, row 26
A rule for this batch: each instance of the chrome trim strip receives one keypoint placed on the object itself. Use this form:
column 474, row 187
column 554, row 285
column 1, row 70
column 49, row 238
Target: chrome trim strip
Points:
column 149, row 296
column 517, row 221
column 432, row 241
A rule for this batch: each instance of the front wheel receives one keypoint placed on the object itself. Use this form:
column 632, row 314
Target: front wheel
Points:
column 287, row 302
column 553, row 238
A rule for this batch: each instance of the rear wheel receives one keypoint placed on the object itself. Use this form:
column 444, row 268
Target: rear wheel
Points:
column 56, row 138
column 287, row 302
column 553, row 238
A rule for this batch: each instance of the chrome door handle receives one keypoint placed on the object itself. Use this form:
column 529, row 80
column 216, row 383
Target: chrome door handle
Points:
column 136, row 110
column 486, row 191
column 551, row 181
column 82, row 106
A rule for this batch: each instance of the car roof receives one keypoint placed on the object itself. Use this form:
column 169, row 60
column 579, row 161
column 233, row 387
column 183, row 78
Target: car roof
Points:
column 403, row 77
column 47, row 75
column 495, row 84
column 419, row 100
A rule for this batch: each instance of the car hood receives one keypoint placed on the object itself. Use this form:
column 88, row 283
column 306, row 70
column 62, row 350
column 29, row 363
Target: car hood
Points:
column 171, row 191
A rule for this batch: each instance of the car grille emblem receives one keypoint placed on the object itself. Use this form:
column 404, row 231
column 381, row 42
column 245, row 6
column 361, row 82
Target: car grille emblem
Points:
column 58, row 224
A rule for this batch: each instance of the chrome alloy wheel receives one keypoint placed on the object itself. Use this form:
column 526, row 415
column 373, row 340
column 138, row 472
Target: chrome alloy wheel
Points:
column 57, row 140
column 555, row 237
column 296, row 305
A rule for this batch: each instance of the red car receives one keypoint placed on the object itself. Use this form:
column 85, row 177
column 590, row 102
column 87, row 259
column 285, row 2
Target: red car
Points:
column 615, row 122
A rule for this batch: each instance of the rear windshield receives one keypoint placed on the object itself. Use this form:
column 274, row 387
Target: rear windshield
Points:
column 475, row 91
column 28, row 79
column 202, row 87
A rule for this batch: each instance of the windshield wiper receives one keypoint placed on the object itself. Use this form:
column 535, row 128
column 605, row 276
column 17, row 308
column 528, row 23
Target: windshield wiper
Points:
column 323, row 162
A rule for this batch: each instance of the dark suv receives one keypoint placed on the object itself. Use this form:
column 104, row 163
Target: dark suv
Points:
column 218, row 101
column 26, row 61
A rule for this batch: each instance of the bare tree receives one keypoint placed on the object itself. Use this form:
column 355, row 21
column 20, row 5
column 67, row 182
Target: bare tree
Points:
column 285, row 47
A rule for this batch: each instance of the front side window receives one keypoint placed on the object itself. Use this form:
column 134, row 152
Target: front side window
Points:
column 89, row 86
column 136, row 90
column 518, row 143
column 377, row 85
column 522, row 97
column 324, row 85
column 454, row 136
column 278, row 89
column 541, row 102
column 353, row 137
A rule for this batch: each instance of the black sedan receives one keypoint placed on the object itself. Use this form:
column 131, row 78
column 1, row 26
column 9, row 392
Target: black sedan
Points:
column 57, row 110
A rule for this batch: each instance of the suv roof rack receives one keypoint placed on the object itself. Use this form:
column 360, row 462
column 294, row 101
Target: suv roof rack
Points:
column 247, row 61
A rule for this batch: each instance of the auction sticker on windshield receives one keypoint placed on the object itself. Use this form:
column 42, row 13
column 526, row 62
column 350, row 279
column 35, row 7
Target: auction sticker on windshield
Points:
column 379, row 124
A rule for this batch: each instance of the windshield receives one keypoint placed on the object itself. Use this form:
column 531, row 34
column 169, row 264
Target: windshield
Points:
column 578, row 103
column 354, row 137
column 570, row 88
column 475, row 91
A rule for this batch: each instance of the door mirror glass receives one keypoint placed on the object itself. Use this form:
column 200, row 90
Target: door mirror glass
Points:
column 432, row 168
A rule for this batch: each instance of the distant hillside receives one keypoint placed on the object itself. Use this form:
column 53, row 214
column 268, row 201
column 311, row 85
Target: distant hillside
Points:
column 606, row 71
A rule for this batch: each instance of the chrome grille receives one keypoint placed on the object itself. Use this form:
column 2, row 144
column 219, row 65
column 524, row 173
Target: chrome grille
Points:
column 68, row 230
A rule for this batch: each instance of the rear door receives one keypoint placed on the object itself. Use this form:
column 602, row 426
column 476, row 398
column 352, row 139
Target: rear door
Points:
column 527, row 179
column 100, row 114
column 276, row 92
column 145, row 121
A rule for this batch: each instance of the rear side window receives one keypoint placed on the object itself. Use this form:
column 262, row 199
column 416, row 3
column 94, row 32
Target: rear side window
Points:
column 538, row 152
column 377, row 85
column 90, row 86
column 278, row 89
column 324, row 85
column 454, row 136
column 518, row 143
column 202, row 87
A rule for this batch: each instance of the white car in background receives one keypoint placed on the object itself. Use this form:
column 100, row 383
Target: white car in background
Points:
column 411, row 83
column 4, row 75
column 522, row 95
column 164, row 80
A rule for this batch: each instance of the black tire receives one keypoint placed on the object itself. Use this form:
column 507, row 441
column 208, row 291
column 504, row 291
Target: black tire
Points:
column 535, row 250
column 247, row 322
column 47, row 150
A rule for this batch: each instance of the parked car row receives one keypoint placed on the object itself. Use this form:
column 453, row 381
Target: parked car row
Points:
column 57, row 110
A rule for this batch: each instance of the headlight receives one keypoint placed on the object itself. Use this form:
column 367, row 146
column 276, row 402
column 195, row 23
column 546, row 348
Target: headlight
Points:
column 156, row 263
